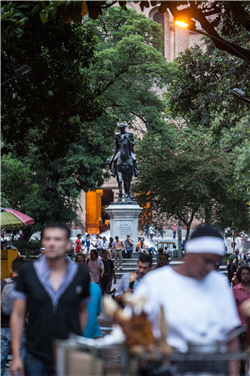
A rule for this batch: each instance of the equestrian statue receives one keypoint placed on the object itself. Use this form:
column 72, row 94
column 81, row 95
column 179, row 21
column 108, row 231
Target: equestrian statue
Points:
column 124, row 160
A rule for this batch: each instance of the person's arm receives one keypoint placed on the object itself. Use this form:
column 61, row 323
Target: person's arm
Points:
column 17, row 319
column 113, row 271
column 122, row 289
column 124, row 246
column 83, row 315
column 101, row 269
column 130, row 241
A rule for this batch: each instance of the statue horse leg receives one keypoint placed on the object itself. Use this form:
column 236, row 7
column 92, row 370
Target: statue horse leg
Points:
column 127, row 182
column 119, row 181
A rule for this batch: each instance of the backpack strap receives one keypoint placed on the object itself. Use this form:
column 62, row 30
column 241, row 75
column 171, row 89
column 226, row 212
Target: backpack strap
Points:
column 132, row 280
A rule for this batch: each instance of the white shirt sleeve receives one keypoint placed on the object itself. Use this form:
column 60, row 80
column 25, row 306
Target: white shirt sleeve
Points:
column 227, row 307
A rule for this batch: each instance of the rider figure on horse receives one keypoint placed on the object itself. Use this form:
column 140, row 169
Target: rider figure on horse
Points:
column 119, row 137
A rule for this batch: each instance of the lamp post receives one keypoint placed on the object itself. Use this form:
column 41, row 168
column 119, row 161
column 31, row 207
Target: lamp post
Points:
column 189, row 24
column 19, row 72
column 240, row 94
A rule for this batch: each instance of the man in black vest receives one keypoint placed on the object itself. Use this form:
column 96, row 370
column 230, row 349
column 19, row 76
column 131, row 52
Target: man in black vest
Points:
column 55, row 293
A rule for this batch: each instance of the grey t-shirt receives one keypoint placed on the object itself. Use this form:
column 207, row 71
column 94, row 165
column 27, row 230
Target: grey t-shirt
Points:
column 128, row 245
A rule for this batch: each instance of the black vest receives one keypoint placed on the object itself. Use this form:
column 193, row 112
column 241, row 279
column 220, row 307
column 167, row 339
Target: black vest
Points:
column 45, row 322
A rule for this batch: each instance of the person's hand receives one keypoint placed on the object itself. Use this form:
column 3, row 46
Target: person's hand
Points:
column 101, row 275
column 105, row 274
column 128, row 291
column 17, row 368
column 126, row 251
column 115, row 281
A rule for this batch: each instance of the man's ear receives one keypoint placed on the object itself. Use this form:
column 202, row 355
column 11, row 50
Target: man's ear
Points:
column 11, row 272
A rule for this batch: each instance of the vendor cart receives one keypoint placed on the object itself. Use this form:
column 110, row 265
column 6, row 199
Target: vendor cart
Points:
column 79, row 356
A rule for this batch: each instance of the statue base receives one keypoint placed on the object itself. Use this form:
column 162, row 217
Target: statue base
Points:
column 124, row 220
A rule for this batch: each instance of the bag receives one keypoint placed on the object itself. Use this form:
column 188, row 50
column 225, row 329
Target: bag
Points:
column 6, row 298
column 132, row 281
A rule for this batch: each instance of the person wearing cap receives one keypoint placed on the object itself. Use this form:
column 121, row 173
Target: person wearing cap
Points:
column 197, row 300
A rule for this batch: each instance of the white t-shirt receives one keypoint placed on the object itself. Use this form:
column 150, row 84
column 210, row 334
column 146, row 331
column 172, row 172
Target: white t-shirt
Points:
column 193, row 308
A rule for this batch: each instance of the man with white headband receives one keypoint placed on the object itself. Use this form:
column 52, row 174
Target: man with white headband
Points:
column 197, row 300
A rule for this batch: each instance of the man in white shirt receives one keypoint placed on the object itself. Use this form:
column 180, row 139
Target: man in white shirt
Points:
column 197, row 300
column 105, row 242
column 98, row 244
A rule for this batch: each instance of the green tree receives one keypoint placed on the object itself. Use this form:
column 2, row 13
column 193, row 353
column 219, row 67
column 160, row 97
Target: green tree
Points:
column 228, row 17
column 201, row 94
column 131, row 67
column 47, row 118
column 201, row 90
column 191, row 179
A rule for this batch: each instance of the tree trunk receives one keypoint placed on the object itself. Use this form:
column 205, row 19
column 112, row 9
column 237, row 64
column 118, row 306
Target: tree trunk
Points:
column 188, row 230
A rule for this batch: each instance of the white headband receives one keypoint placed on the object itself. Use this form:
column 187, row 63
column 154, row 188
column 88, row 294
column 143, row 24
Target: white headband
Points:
column 206, row 244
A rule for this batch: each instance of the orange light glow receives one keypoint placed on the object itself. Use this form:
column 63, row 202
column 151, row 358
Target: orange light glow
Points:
column 181, row 24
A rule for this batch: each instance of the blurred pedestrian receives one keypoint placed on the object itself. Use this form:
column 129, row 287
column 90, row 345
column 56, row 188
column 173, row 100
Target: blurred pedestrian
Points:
column 205, row 307
column 88, row 245
column 78, row 244
column 174, row 229
column 128, row 247
column 141, row 246
column 105, row 242
column 161, row 230
column 242, row 290
column 54, row 292
column 232, row 265
column 109, row 272
column 163, row 261
column 130, row 281
column 7, row 286
column 42, row 250
column 151, row 232
column 110, row 248
column 98, row 244
column 80, row 259
column 95, row 266
column 92, row 329
column 118, row 245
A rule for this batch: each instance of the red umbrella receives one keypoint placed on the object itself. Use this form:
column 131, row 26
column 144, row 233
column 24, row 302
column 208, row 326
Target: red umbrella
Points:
column 16, row 218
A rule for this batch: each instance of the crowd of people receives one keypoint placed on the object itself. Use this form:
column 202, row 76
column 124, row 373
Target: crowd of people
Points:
column 53, row 296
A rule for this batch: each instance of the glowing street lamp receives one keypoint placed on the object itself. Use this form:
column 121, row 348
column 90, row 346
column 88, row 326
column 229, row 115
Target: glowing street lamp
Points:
column 181, row 24
column 190, row 24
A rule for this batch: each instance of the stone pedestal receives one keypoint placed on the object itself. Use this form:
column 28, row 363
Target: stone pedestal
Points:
column 124, row 220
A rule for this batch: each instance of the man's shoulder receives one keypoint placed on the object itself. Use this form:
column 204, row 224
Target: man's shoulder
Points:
column 217, row 279
column 28, row 266
column 158, row 274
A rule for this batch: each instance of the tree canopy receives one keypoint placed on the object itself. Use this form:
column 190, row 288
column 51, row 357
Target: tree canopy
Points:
column 46, row 118
column 131, row 68
column 187, row 180
column 58, row 120
column 219, row 19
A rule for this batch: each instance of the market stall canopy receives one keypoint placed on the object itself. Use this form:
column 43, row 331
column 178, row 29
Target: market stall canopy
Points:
column 14, row 218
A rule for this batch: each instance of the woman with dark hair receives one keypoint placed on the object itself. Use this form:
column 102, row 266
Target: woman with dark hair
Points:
column 242, row 290
column 110, row 249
